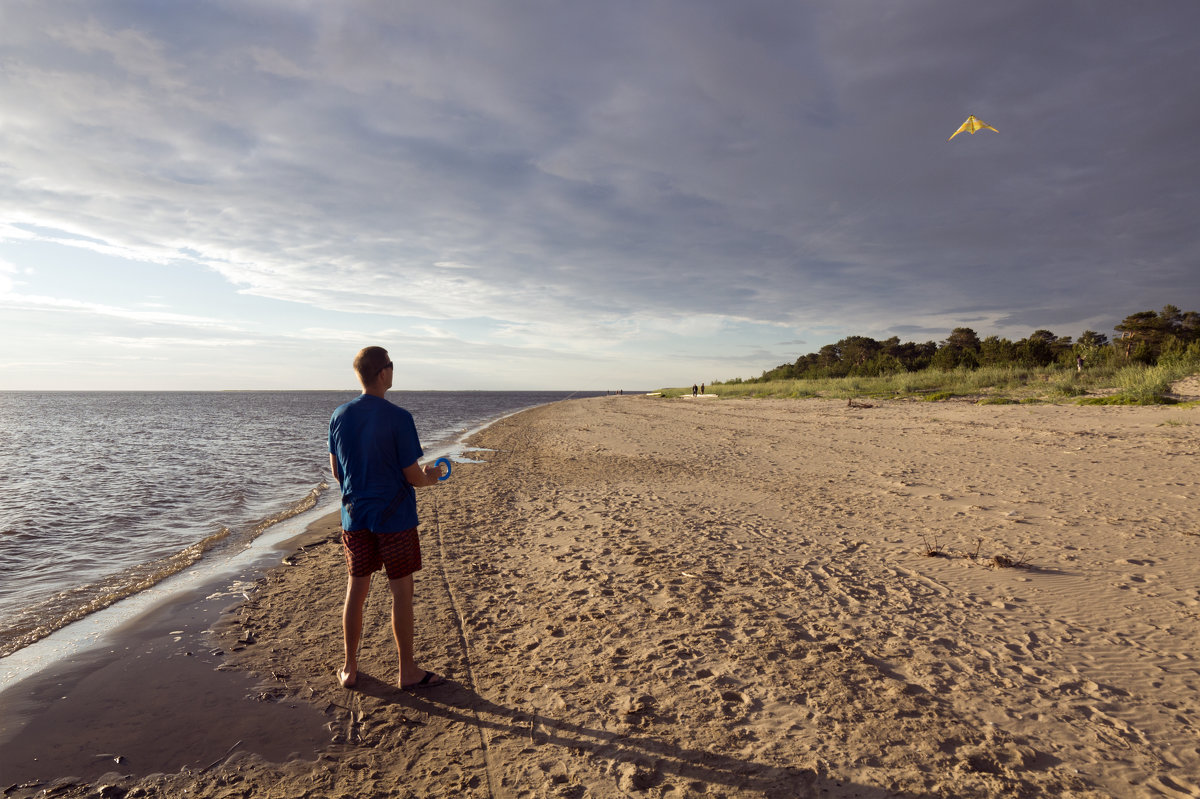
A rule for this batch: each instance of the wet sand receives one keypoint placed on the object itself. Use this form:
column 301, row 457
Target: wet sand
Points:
column 157, row 696
column 647, row 597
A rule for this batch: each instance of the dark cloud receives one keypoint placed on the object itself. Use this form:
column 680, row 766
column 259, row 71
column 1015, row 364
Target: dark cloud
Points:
column 765, row 161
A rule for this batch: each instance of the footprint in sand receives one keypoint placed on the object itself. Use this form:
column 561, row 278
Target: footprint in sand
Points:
column 1174, row 786
column 734, row 697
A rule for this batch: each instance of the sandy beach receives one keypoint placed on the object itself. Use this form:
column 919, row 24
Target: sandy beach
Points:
column 752, row 598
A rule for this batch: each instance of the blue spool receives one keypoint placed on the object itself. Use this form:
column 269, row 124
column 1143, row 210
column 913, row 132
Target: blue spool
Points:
column 446, row 461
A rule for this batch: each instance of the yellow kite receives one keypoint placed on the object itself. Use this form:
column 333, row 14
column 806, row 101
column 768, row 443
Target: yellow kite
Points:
column 971, row 125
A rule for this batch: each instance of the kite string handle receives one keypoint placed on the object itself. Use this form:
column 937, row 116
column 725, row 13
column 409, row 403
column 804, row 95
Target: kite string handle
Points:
column 439, row 462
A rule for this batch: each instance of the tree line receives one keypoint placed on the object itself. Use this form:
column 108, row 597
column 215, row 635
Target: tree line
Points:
column 1143, row 338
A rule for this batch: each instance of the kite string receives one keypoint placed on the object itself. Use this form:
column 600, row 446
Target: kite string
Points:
column 464, row 645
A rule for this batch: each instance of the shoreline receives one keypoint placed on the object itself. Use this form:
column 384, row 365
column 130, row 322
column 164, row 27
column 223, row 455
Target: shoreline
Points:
column 76, row 638
column 153, row 696
column 650, row 597
column 118, row 543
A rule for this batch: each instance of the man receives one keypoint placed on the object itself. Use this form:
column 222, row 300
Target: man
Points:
column 373, row 453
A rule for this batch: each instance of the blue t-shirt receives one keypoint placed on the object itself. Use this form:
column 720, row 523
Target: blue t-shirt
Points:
column 373, row 442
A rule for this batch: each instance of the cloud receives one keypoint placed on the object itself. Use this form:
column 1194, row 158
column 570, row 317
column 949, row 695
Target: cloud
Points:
column 135, row 343
column 32, row 302
column 603, row 172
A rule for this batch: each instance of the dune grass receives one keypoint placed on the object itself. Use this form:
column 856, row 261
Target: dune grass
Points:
column 1133, row 384
column 1150, row 385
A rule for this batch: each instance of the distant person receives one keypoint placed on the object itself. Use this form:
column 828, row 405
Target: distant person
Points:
column 702, row 389
column 694, row 389
column 1078, row 363
column 373, row 452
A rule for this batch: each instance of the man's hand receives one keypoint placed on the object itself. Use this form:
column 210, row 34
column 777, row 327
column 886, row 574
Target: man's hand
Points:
column 419, row 476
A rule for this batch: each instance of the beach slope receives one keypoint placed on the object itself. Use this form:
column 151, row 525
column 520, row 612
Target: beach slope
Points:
column 646, row 597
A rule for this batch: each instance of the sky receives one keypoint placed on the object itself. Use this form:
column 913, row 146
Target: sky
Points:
column 558, row 195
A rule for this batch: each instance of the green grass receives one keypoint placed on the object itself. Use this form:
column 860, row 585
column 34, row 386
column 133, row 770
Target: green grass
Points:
column 1134, row 384
column 1149, row 385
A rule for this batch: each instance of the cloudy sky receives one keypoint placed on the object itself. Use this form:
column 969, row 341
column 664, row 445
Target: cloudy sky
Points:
column 600, row 195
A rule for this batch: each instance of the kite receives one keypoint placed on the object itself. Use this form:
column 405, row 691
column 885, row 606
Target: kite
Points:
column 971, row 125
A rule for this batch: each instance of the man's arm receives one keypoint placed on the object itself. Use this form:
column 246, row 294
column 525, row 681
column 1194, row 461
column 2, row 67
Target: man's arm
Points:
column 419, row 476
column 333, row 468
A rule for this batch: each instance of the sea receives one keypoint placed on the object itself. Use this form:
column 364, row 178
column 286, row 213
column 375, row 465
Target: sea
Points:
column 103, row 495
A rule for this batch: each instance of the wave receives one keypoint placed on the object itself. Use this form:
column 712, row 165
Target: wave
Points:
column 43, row 618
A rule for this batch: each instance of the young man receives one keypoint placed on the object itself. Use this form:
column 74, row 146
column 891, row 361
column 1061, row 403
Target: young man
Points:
column 373, row 452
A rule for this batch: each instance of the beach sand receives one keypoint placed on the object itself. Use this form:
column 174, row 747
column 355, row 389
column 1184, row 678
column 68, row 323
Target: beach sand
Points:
column 666, row 598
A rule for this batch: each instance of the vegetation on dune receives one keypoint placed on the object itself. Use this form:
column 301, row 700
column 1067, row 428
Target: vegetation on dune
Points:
column 1153, row 350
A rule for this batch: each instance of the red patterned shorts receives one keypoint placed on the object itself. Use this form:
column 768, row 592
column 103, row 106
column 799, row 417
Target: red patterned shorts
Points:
column 367, row 552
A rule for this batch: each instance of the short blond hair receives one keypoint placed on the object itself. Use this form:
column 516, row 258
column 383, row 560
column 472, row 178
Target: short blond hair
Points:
column 369, row 362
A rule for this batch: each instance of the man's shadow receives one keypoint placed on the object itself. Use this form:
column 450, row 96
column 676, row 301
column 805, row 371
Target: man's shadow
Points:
column 652, row 757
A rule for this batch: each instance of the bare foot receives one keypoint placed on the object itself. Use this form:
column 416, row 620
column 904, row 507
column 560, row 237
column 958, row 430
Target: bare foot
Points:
column 348, row 677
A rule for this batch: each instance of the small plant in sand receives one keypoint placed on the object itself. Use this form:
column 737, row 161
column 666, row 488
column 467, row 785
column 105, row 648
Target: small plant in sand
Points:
column 1005, row 562
column 933, row 550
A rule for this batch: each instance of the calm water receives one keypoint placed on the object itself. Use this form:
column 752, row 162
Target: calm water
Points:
column 104, row 494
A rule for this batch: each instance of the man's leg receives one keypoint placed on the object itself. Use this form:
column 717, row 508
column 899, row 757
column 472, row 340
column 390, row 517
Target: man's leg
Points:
column 411, row 675
column 402, row 628
column 352, row 622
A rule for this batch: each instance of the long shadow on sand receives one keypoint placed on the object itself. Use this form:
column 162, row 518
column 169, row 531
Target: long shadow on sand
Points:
column 652, row 758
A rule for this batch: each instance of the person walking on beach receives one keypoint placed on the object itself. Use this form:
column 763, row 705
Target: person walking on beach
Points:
column 373, row 453
column 693, row 389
